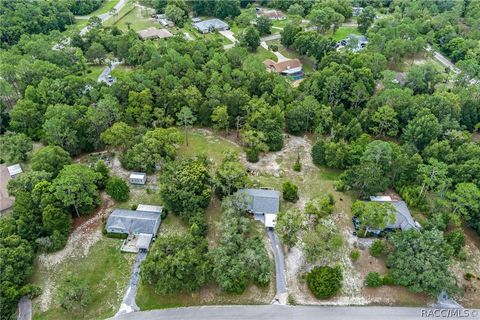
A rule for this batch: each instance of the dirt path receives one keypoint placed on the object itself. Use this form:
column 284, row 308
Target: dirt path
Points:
column 78, row 245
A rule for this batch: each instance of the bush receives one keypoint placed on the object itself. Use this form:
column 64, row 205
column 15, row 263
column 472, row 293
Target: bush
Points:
column 117, row 188
column 297, row 166
column 116, row 235
column 354, row 255
column 377, row 248
column 456, row 239
column 290, row 191
column 273, row 47
column 324, row 281
column 318, row 153
column 252, row 155
column 373, row 280
column 469, row 276
column 388, row 280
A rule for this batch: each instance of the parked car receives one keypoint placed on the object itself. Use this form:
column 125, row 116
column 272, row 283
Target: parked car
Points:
column 109, row 78
column 356, row 223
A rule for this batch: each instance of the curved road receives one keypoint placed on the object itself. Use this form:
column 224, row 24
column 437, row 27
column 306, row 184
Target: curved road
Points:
column 277, row 312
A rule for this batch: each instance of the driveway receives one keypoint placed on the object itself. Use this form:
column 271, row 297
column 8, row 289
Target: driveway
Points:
column 106, row 72
column 106, row 16
column 24, row 309
column 443, row 60
column 276, row 312
column 128, row 303
column 281, row 279
column 271, row 37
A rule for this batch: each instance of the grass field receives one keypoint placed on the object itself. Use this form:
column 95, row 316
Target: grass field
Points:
column 343, row 32
column 106, row 271
column 137, row 18
column 96, row 70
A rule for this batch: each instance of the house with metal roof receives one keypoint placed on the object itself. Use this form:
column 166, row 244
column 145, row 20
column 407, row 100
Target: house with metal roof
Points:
column 138, row 178
column 264, row 204
column 210, row 25
column 403, row 218
column 14, row 170
column 133, row 222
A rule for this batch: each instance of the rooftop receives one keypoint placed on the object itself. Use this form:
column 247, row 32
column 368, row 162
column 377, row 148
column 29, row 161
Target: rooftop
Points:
column 262, row 200
column 137, row 175
column 209, row 25
column 133, row 222
column 14, row 169
column 154, row 33
column 287, row 66
column 403, row 219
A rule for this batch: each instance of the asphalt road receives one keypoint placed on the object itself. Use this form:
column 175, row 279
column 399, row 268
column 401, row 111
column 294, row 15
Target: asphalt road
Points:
column 106, row 72
column 280, row 277
column 107, row 15
column 24, row 309
column 278, row 312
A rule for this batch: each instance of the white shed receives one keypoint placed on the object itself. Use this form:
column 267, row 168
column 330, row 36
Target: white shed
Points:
column 138, row 178
column 14, row 170
column 270, row 220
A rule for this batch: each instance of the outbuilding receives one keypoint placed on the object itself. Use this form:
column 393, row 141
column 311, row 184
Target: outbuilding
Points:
column 138, row 178
column 14, row 170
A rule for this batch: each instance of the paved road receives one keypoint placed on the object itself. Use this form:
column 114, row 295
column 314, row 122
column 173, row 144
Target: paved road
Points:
column 106, row 72
column 128, row 303
column 276, row 312
column 443, row 60
column 280, row 277
column 271, row 37
column 24, row 309
column 107, row 15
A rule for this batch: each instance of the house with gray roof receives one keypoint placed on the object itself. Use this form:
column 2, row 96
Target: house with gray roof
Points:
column 403, row 218
column 211, row 25
column 133, row 222
column 264, row 204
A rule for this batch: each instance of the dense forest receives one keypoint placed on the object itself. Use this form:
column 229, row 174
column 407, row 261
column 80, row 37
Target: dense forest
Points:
column 413, row 137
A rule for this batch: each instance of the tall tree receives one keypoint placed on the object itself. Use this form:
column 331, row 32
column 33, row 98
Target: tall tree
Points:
column 186, row 119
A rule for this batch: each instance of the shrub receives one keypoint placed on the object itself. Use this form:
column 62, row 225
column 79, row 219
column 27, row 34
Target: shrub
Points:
column 297, row 166
column 469, row 276
column 290, row 191
column 354, row 255
column 388, row 280
column 456, row 239
column 291, row 300
column 318, row 153
column 373, row 280
column 117, row 188
column 377, row 248
column 252, row 155
column 324, row 281
column 74, row 293
column 273, row 47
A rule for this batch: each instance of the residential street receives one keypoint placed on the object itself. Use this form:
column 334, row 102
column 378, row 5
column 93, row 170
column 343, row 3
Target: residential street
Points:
column 277, row 312
column 106, row 16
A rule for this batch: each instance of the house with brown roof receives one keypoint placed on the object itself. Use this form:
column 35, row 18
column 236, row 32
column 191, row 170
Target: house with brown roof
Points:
column 154, row 33
column 292, row 68
column 272, row 14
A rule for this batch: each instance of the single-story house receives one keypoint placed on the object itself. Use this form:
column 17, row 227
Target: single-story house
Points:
column 6, row 202
column 133, row 222
column 264, row 204
column 154, row 33
column 292, row 68
column 14, row 170
column 272, row 14
column 211, row 25
column 356, row 42
column 138, row 178
column 403, row 218
column 140, row 225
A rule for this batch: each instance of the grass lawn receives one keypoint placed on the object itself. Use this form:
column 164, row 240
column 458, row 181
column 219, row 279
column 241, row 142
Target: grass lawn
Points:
column 96, row 70
column 121, row 69
column 106, row 271
column 262, row 54
column 203, row 142
column 107, row 6
column 343, row 32
column 137, row 18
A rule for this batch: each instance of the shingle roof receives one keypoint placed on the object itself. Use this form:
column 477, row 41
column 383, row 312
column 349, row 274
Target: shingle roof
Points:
column 209, row 25
column 403, row 219
column 131, row 221
column 152, row 33
column 263, row 201
column 284, row 65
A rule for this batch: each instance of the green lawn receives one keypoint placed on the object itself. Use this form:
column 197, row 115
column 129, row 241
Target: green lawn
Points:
column 137, row 18
column 263, row 54
column 107, row 6
column 106, row 271
column 204, row 143
column 121, row 69
column 343, row 32
column 127, row 8
column 96, row 70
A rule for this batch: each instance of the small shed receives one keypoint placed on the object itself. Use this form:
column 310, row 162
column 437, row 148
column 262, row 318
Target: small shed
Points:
column 138, row 178
column 14, row 170
column 149, row 208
